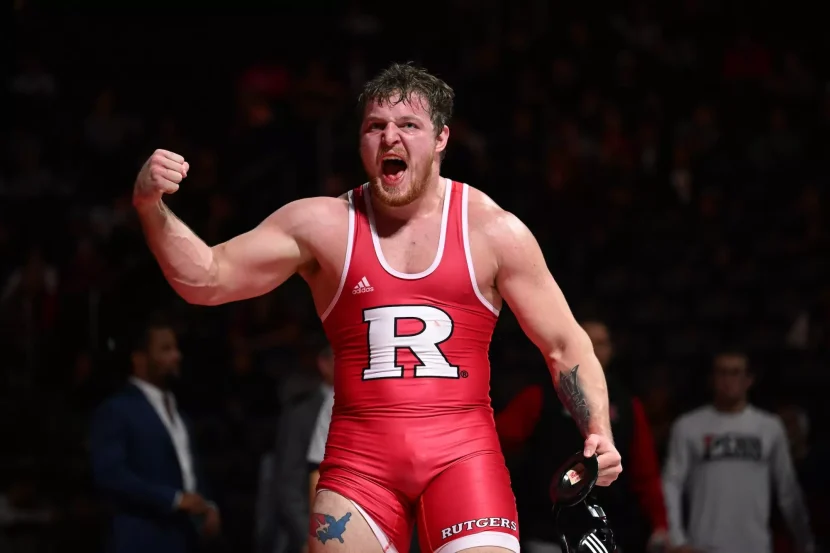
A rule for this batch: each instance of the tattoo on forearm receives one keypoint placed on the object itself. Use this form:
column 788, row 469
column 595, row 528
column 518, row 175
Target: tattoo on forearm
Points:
column 326, row 527
column 574, row 400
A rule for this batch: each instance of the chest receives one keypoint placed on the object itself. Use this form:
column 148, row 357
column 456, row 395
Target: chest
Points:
column 412, row 248
column 152, row 423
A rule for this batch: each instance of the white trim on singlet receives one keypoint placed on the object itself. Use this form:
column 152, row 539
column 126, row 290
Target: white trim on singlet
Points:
column 347, row 262
column 489, row 538
column 441, row 240
column 467, row 252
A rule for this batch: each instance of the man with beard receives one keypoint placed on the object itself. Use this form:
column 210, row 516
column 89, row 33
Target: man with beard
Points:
column 142, row 457
column 408, row 273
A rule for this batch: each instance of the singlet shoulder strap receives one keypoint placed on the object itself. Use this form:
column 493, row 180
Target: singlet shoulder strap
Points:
column 348, row 260
column 468, row 254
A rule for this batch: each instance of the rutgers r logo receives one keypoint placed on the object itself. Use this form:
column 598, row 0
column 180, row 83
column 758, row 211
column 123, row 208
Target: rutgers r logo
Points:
column 468, row 525
column 416, row 329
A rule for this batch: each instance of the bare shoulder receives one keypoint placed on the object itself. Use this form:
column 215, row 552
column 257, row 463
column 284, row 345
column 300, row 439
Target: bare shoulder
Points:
column 320, row 227
column 503, row 230
column 316, row 225
column 500, row 244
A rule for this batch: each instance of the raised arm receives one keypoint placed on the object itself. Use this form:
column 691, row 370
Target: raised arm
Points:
column 525, row 283
column 249, row 265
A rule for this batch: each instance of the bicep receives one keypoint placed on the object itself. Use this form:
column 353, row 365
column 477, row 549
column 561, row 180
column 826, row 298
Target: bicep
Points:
column 261, row 259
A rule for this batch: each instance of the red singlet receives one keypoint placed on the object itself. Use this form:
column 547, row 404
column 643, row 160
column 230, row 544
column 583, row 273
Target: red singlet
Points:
column 412, row 431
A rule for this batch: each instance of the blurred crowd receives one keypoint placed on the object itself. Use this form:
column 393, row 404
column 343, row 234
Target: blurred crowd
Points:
column 670, row 157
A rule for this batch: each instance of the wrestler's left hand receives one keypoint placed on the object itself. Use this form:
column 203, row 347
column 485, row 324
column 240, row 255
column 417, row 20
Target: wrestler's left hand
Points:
column 608, row 458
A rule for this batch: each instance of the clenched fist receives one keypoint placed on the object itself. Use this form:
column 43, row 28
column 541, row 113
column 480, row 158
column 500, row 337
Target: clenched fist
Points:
column 160, row 175
column 608, row 458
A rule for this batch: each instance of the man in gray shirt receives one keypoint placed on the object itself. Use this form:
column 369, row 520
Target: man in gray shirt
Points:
column 726, row 456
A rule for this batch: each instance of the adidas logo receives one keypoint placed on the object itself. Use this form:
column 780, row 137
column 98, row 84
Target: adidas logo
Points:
column 363, row 287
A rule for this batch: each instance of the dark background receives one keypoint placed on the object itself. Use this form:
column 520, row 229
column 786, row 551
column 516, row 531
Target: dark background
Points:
column 671, row 158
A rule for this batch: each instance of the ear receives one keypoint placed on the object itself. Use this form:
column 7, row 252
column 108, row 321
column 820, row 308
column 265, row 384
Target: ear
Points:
column 442, row 139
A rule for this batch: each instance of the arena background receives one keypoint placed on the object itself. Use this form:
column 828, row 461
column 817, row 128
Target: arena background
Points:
column 671, row 157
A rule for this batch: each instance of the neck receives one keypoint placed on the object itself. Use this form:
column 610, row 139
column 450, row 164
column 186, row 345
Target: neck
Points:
column 160, row 385
column 427, row 203
column 730, row 406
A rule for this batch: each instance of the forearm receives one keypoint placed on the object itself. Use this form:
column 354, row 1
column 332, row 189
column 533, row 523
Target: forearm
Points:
column 798, row 521
column 794, row 510
column 580, row 384
column 790, row 498
column 188, row 264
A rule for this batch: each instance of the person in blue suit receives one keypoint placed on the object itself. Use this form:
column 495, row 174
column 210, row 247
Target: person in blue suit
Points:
column 142, row 458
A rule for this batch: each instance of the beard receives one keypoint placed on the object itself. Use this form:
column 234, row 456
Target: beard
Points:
column 399, row 196
column 165, row 379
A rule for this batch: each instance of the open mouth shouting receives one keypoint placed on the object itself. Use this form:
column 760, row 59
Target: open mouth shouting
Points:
column 392, row 169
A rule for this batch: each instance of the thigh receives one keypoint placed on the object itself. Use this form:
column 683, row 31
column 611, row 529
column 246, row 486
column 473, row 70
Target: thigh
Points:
column 388, row 514
column 470, row 506
column 337, row 526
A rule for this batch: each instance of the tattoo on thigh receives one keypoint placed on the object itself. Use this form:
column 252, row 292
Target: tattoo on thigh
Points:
column 574, row 400
column 326, row 527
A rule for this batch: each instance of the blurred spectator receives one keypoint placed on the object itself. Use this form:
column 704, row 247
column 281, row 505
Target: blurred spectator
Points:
column 143, row 458
column 536, row 417
column 317, row 445
column 284, row 500
column 660, row 406
column 726, row 456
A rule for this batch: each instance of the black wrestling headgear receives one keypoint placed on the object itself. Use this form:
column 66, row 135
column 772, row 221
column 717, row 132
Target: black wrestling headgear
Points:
column 578, row 520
